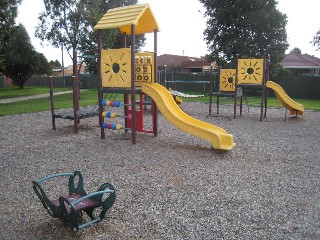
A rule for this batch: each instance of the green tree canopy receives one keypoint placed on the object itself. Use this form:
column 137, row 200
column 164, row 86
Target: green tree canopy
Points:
column 316, row 40
column 296, row 51
column 8, row 14
column 54, row 64
column 251, row 29
column 69, row 23
column 21, row 61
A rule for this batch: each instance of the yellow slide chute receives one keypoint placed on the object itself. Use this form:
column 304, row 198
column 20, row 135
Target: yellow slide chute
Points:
column 218, row 137
column 294, row 107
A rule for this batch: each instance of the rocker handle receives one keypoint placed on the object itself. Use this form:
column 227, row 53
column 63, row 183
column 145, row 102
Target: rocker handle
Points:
column 90, row 195
column 89, row 223
column 53, row 176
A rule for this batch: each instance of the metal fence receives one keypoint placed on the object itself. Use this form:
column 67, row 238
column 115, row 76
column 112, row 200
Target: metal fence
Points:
column 85, row 82
column 186, row 82
column 300, row 86
column 179, row 81
column 295, row 86
column 2, row 82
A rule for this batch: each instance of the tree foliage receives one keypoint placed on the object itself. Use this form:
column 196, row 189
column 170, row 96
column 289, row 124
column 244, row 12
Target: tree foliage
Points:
column 296, row 51
column 54, row 64
column 316, row 40
column 69, row 23
column 21, row 61
column 8, row 14
column 251, row 29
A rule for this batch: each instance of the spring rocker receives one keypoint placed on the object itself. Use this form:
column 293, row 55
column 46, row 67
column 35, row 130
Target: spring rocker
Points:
column 69, row 209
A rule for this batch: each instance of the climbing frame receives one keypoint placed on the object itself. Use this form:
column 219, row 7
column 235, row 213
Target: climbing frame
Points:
column 252, row 73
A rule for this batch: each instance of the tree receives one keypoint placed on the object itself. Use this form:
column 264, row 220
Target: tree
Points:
column 21, row 61
column 69, row 23
column 296, row 51
column 8, row 14
column 248, row 28
column 54, row 64
column 316, row 40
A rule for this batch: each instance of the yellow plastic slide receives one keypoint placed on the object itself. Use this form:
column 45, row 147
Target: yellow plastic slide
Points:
column 218, row 137
column 294, row 107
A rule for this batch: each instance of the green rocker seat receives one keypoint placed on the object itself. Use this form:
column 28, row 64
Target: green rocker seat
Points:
column 69, row 209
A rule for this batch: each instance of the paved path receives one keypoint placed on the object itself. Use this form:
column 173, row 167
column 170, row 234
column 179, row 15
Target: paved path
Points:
column 19, row 99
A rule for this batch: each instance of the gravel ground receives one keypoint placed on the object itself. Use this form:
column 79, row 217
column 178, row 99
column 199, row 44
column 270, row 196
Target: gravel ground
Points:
column 173, row 186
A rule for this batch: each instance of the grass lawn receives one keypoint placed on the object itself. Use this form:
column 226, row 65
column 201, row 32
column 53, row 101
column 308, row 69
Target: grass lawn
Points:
column 274, row 102
column 27, row 91
column 90, row 97
column 87, row 98
column 309, row 104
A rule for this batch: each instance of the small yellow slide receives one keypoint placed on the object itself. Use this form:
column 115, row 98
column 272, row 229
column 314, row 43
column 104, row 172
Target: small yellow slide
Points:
column 294, row 107
column 218, row 137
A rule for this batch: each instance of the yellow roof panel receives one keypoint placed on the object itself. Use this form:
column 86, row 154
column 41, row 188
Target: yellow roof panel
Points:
column 139, row 15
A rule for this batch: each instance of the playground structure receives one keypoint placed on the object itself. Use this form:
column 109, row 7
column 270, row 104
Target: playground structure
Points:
column 127, row 72
column 134, row 74
column 255, row 73
column 291, row 105
column 226, row 88
column 69, row 209
column 76, row 113
column 252, row 73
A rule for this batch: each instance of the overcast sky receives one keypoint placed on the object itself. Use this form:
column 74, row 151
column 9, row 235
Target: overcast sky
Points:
column 181, row 28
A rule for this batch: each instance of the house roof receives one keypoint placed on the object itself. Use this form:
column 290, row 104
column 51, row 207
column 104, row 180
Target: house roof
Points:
column 139, row 15
column 175, row 60
column 305, row 61
column 194, row 64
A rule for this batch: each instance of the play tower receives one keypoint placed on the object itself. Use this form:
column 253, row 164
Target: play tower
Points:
column 134, row 74
column 124, row 70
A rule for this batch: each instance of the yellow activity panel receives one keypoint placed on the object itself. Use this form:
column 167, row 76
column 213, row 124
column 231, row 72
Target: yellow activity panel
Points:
column 250, row 71
column 227, row 80
column 116, row 68
column 144, row 68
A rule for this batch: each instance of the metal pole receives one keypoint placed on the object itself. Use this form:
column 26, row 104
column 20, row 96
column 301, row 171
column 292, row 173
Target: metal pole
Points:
column 165, row 76
column 268, row 78
column 125, row 95
column 133, row 86
column 153, row 104
column 263, row 86
column 211, row 90
column 235, row 92
column 52, row 104
column 102, row 135
column 75, row 91
column 63, row 76
column 218, row 95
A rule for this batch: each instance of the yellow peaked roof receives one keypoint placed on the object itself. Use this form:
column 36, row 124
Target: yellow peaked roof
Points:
column 139, row 15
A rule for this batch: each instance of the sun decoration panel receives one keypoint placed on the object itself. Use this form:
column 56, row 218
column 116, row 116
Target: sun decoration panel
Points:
column 250, row 71
column 227, row 80
column 144, row 68
column 116, row 67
